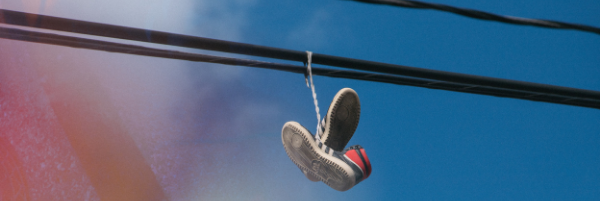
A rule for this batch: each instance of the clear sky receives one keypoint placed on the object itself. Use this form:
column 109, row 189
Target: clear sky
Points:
column 213, row 131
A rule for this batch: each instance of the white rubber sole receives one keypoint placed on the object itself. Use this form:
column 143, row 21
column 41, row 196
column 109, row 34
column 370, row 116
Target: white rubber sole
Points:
column 301, row 147
column 342, row 119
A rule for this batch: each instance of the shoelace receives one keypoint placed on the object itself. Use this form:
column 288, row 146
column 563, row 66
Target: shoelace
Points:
column 314, row 94
column 320, row 122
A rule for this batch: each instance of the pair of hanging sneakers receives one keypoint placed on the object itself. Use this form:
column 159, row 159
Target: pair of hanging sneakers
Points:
column 322, row 157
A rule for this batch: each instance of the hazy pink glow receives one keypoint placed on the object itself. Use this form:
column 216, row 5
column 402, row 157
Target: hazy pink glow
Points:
column 182, row 128
column 29, row 126
column 192, row 131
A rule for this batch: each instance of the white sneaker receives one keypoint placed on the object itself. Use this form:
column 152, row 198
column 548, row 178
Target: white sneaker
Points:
column 339, row 170
column 338, row 126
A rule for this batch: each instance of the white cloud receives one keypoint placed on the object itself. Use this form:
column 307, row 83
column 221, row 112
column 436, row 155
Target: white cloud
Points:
column 153, row 14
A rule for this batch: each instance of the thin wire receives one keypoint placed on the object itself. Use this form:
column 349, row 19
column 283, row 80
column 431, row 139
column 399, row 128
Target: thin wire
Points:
column 485, row 15
column 76, row 42
column 165, row 38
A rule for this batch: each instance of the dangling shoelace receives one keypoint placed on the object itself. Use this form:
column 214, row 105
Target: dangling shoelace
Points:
column 314, row 94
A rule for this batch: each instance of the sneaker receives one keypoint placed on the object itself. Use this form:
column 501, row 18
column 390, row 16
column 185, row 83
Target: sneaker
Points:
column 338, row 126
column 339, row 170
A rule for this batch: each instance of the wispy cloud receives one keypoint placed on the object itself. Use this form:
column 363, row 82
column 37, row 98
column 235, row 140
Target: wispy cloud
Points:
column 314, row 31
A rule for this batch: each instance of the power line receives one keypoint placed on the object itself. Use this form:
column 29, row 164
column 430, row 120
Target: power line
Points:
column 420, row 77
column 76, row 42
column 485, row 15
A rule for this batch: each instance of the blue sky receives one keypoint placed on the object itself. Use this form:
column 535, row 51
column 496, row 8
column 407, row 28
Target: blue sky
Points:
column 437, row 145
column 423, row 144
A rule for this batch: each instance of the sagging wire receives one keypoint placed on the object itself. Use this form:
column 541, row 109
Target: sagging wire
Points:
column 485, row 15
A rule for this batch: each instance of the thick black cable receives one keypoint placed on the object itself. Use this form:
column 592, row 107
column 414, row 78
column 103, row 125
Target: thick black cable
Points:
column 76, row 42
column 485, row 15
column 158, row 37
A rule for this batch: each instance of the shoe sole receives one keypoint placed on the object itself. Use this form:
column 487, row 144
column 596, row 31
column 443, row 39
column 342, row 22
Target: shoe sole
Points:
column 342, row 120
column 301, row 147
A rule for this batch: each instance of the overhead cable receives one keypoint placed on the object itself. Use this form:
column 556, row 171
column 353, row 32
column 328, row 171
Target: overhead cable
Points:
column 165, row 38
column 485, row 15
column 77, row 42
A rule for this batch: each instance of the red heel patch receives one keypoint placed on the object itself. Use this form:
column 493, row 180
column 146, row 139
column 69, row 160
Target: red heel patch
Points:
column 358, row 155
